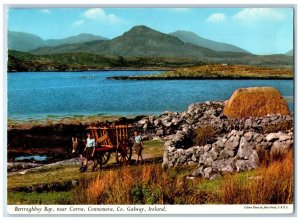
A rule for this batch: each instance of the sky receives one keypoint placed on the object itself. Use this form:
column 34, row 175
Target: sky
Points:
column 257, row 30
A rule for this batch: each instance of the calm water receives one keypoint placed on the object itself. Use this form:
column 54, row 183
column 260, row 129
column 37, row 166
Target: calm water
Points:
column 41, row 94
column 32, row 157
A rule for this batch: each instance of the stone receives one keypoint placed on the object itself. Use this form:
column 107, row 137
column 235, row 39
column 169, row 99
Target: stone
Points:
column 253, row 159
column 207, row 147
column 232, row 143
column 245, row 149
column 160, row 132
column 284, row 137
column 242, row 165
column 226, row 153
column 221, row 142
column 198, row 172
column 194, row 158
column 157, row 122
column 206, row 159
column 272, row 137
column 280, row 148
column 248, row 135
column 143, row 121
column 256, row 102
column 207, row 172
column 248, row 123
column 225, row 166
column 215, row 176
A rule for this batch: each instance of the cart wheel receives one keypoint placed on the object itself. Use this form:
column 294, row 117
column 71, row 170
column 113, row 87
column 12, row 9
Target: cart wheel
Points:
column 102, row 157
column 123, row 154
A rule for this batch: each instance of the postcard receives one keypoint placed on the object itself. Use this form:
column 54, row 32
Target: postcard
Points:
column 150, row 110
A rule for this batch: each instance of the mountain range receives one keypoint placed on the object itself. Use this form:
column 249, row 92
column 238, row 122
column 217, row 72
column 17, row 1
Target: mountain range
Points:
column 141, row 41
column 138, row 47
column 290, row 52
column 21, row 41
column 190, row 37
column 25, row 42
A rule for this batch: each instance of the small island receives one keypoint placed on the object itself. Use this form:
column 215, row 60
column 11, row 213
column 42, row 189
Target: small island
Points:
column 216, row 71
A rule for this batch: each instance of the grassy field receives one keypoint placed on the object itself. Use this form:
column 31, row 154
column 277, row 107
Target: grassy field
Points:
column 150, row 184
column 218, row 71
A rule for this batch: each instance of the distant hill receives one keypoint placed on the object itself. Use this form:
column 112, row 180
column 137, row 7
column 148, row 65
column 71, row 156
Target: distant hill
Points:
column 140, row 41
column 140, row 47
column 25, row 42
column 191, row 37
column 81, row 38
column 290, row 53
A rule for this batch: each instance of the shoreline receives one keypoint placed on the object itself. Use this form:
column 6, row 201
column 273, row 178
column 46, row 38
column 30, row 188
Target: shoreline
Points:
column 106, row 69
column 149, row 78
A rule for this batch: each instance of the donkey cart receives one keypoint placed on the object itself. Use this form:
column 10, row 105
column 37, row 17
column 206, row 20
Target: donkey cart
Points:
column 112, row 139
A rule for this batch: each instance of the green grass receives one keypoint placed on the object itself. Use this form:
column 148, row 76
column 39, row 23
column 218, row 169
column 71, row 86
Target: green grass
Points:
column 49, row 175
column 152, row 149
column 21, row 198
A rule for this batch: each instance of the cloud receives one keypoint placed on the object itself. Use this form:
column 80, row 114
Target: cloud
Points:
column 100, row 15
column 78, row 23
column 216, row 18
column 251, row 15
column 45, row 11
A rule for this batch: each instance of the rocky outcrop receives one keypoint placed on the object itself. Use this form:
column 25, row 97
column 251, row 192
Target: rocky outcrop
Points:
column 236, row 147
column 255, row 102
column 233, row 152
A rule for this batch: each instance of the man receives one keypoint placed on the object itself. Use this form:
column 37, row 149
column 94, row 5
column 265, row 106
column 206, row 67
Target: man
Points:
column 138, row 146
column 89, row 151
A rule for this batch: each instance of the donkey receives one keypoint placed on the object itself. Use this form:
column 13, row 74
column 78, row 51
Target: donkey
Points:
column 78, row 149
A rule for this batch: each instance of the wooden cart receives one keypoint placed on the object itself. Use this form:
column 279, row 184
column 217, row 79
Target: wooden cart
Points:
column 112, row 139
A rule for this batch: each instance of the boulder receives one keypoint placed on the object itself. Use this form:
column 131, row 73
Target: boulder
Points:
column 280, row 148
column 256, row 102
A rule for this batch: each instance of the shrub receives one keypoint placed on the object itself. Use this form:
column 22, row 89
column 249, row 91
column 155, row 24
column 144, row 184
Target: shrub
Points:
column 204, row 135
column 271, row 185
column 280, row 126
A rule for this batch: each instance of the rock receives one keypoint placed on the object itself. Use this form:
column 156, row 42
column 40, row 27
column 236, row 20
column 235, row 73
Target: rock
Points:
column 160, row 132
column 198, row 172
column 232, row 143
column 207, row 147
column 210, row 174
column 278, row 136
column 215, row 176
column 254, row 160
column 280, row 148
column 226, row 153
column 206, row 159
column 194, row 158
column 284, row 137
column 157, row 122
column 272, row 137
column 222, row 165
column 256, row 102
column 248, row 135
column 207, row 172
column 143, row 121
column 245, row 149
column 248, row 123
column 221, row 142
column 175, row 121
column 242, row 165
column 145, row 127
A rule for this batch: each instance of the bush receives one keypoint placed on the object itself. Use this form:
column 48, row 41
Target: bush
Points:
column 271, row 185
column 204, row 135
column 280, row 126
